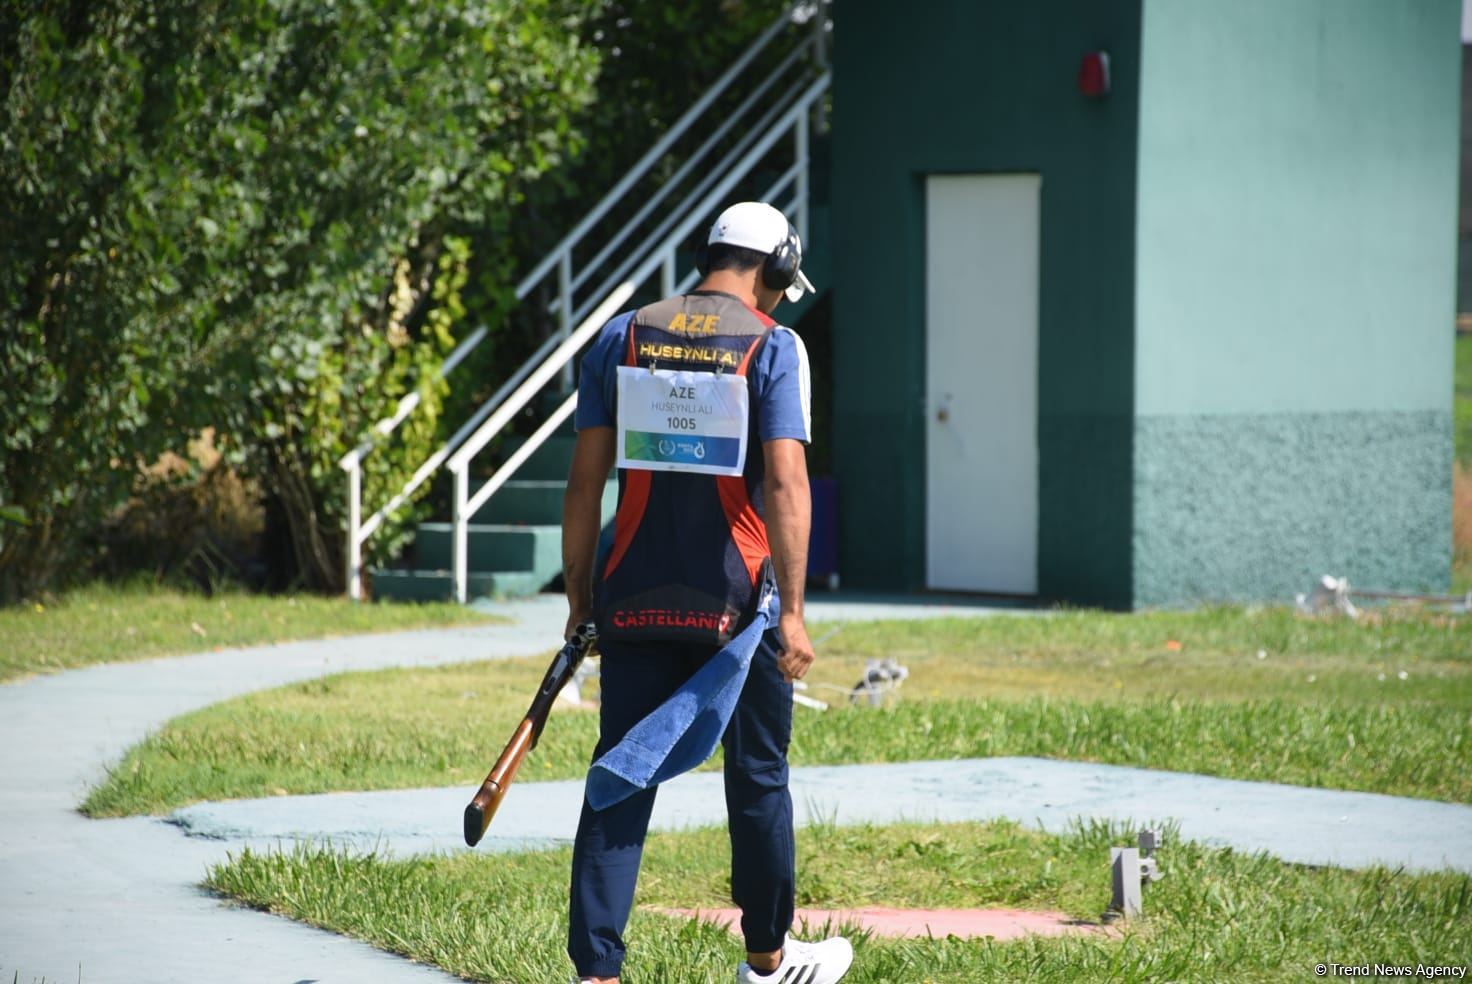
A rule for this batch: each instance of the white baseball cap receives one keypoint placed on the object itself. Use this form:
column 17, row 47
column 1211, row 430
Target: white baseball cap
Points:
column 759, row 226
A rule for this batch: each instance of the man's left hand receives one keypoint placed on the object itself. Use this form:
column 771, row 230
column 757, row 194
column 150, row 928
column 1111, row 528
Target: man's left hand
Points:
column 576, row 617
column 797, row 651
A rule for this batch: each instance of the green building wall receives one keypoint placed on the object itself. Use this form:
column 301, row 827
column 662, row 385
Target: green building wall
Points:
column 955, row 87
column 1247, row 284
column 1295, row 272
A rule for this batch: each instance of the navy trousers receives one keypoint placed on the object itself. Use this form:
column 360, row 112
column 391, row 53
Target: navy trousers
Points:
column 610, row 843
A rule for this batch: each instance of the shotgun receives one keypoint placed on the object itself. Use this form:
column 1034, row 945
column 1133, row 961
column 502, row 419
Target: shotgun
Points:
column 482, row 808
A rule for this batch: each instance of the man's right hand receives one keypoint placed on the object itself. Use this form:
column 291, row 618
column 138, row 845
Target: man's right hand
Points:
column 592, row 457
column 797, row 651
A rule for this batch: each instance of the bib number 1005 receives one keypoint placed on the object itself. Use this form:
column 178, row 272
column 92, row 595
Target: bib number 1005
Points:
column 682, row 420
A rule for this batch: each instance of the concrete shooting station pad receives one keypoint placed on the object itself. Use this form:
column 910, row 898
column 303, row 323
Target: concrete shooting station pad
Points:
column 1293, row 823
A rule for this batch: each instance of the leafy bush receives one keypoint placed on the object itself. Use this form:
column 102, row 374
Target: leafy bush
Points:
column 249, row 215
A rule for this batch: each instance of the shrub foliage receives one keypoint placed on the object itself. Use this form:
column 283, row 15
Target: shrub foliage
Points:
column 273, row 218
column 250, row 215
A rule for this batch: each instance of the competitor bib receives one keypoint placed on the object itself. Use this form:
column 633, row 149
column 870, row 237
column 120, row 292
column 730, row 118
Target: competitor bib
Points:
column 682, row 420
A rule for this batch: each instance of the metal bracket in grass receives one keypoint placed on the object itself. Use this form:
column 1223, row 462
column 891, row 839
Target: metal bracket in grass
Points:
column 1131, row 869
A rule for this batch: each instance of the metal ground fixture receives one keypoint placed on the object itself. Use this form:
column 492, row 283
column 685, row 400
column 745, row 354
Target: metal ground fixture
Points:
column 1131, row 868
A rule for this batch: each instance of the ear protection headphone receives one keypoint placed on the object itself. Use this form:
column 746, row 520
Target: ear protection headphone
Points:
column 779, row 269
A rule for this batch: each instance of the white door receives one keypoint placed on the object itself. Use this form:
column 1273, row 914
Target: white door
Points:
column 981, row 438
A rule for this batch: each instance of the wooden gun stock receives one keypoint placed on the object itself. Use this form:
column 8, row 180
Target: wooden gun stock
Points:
column 482, row 808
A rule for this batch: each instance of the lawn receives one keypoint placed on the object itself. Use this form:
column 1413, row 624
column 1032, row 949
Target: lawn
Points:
column 1382, row 705
column 1218, row 914
column 110, row 623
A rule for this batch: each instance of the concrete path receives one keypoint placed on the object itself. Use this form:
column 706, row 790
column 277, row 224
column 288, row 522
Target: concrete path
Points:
column 1295, row 823
column 106, row 901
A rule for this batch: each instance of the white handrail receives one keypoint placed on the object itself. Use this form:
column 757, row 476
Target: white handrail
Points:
column 590, row 324
column 520, row 455
column 674, row 180
column 460, row 530
column 767, row 122
column 656, row 258
column 558, row 349
column 538, row 378
column 654, row 153
column 459, row 462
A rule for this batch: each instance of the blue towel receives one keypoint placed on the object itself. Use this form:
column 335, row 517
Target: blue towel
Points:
column 683, row 732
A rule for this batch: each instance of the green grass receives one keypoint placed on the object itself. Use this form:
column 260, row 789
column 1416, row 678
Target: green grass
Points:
column 1325, row 705
column 107, row 623
column 1218, row 915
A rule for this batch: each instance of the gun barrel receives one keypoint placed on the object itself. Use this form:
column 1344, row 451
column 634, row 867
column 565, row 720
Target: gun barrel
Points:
column 482, row 809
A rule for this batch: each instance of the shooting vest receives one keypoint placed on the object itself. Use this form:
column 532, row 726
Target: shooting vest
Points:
column 690, row 556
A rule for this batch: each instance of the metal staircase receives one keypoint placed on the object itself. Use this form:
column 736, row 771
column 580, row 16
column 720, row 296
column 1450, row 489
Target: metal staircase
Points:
column 504, row 534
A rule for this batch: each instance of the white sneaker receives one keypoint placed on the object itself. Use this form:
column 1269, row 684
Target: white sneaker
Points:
column 824, row 962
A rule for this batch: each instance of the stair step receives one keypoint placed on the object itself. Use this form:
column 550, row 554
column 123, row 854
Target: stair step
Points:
column 493, row 547
column 421, row 585
column 536, row 502
column 550, row 461
column 548, row 402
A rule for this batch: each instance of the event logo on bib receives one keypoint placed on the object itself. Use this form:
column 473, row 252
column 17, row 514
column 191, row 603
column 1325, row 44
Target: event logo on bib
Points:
column 682, row 421
column 670, row 449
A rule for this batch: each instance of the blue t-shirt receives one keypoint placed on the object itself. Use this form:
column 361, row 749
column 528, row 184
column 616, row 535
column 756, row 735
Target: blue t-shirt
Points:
column 779, row 377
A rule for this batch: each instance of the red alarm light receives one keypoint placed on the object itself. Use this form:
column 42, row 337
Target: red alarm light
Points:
column 1093, row 74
